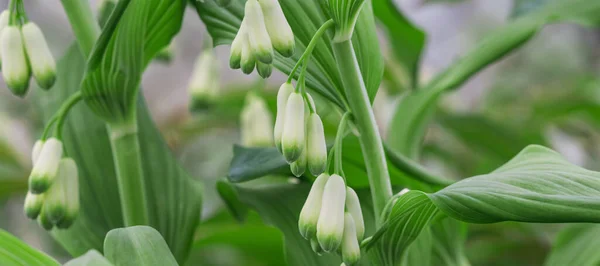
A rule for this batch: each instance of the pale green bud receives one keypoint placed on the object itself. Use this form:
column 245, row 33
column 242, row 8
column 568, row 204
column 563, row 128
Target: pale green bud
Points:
column 248, row 61
column 15, row 68
column 314, row 244
column 260, row 42
column 33, row 205
column 4, row 16
column 298, row 167
column 204, row 82
column 37, row 149
column 256, row 123
column 43, row 220
column 41, row 60
column 316, row 146
column 282, row 97
column 330, row 228
column 353, row 207
column 235, row 54
column 264, row 70
column 279, row 29
column 293, row 139
column 55, row 203
column 350, row 247
column 71, row 188
column 46, row 167
column 309, row 216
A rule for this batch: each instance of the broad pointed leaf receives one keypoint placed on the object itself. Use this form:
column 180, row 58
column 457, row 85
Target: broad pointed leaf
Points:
column 576, row 245
column 91, row 258
column 137, row 245
column 15, row 252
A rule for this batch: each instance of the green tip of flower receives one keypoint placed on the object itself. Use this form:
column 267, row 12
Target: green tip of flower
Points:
column 33, row 205
column 18, row 88
column 67, row 221
column 44, row 222
column 351, row 258
column 235, row 61
column 329, row 242
column 47, row 80
column 317, row 166
column 314, row 244
column 39, row 184
column 308, row 230
column 291, row 153
column 264, row 55
column 286, row 51
column 200, row 104
column 264, row 70
column 55, row 212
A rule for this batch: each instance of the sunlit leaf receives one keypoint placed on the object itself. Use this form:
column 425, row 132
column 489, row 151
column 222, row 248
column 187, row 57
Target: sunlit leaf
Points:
column 14, row 252
column 91, row 258
column 137, row 245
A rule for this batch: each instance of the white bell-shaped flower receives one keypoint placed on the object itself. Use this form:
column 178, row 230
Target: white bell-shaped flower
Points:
column 298, row 167
column 264, row 70
column 46, row 166
column 71, row 189
column 353, row 207
column 4, row 16
column 37, row 149
column 15, row 68
column 33, row 205
column 55, row 203
column 350, row 247
column 260, row 42
column 248, row 61
column 43, row 220
column 309, row 216
column 256, row 123
column 293, row 140
column 278, row 27
column 41, row 60
column 235, row 54
column 330, row 228
column 282, row 97
column 316, row 146
column 204, row 82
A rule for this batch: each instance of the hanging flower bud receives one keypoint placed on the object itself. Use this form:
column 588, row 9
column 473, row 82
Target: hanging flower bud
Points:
column 33, row 205
column 350, row 247
column 45, row 168
column 330, row 228
column 260, row 42
column 55, row 202
column 248, row 60
column 237, row 45
column 204, row 83
column 353, row 207
column 256, row 123
column 293, row 139
column 43, row 220
column 15, row 68
column 279, row 29
column 4, row 16
column 314, row 244
column 41, row 60
column 37, row 149
column 309, row 216
column 316, row 146
column 298, row 167
column 71, row 189
column 282, row 97
column 264, row 70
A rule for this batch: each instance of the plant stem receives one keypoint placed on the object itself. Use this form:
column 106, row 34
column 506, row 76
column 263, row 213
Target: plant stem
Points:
column 128, row 164
column 370, row 140
column 84, row 24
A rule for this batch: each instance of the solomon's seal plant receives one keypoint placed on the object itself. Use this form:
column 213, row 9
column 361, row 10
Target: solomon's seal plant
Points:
column 312, row 160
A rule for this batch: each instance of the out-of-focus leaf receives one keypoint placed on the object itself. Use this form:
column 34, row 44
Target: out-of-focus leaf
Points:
column 14, row 252
column 407, row 41
column 230, row 197
column 10, row 183
column 137, row 245
column 576, row 245
column 419, row 253
column 523, row 7
column 305, row 17
column 414, row 111
column 91, row 258
column 173, row 198
column 449, row 237
column 537, row 186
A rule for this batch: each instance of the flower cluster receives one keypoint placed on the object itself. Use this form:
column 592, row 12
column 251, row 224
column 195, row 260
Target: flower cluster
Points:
column 263, row 28
column 332, row 218
column 256, row 122
column 53, row 196
column 204, row 82
column 298, row 133
column 23, row 51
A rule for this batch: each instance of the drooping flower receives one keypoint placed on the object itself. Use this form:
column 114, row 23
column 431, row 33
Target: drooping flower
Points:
column 350, row 247
column 256, row 123
column 46, row 166
column 316, row 146
column 258, row 37
column 4, row 16
column 44, row 221
column 237, row 45
column 293, row 140
column 353, row 207
column 37, row 149
column 279, row 29
column 282, row 97
column 71, row 189
column 309, row 216
column 204, row 82
column 248, row 61
column 41, row 60
column 15, row 68
column 264, row 70
column 33, row 205
column 330, row 228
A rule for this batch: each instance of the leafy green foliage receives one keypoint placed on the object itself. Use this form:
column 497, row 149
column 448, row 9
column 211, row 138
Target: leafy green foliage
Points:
column 305, row 17
column 173, row 198
column 133, row 35
column 137, row 245
column 415, row 110
column 91, row 258
column 576, row 245
column 14, row 252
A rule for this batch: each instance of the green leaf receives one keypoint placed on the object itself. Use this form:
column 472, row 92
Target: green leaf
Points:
column 173, row 198
column 91, row 258
column 14, row 252
column 576, row 245
column 449, row 238
column 406, row 40
column 415, row 109
column 523, row 7
column 133, row 35
column 137, row 245
column 537, row 186
column 231, row 198
column 305, row 17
